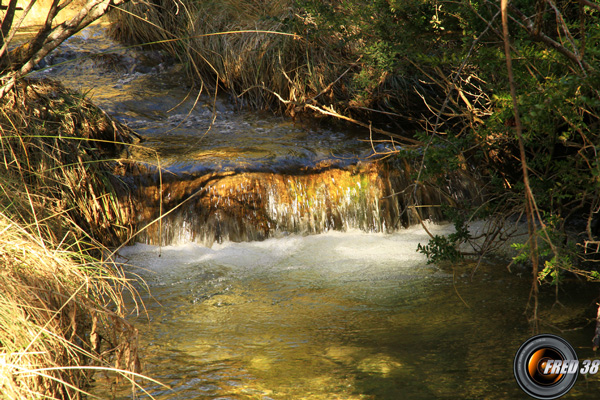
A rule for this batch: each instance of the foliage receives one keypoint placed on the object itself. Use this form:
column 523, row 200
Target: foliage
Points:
column 435, row 68
column 447, row 248
column 558, row 102
column 61, row 309
column 439, row 249
column 468, row 118
column 61, row 305
column 294, row 56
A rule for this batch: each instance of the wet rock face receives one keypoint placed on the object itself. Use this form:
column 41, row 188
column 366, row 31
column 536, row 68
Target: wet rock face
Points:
column 246, row 206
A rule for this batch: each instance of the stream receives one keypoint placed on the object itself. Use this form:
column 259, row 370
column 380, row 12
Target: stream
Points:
column 348, row 314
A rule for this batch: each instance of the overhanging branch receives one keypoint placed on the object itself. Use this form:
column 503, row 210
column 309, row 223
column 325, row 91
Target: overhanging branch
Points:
column 23, row 59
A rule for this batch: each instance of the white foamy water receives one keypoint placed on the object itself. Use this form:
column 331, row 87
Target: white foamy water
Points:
column 341, row 315
column 337, row 253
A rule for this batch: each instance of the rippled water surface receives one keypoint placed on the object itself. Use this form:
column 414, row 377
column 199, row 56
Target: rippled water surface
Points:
column 332, row 316
column 147, row 90
column 335, row 316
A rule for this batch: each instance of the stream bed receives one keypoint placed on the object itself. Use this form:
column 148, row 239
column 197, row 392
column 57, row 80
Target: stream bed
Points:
column 339, row 315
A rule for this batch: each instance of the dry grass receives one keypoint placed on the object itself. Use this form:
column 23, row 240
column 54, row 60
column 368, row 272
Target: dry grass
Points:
column 272, row 55
column 58, row 152
column 61, row 305
column 243, row 46
column 56, row 311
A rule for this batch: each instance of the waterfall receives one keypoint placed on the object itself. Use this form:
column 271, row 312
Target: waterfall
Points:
column 235, row 175
column 208, row 207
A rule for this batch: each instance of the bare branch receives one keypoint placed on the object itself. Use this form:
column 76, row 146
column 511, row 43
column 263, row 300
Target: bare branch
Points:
column 64, row 5
column 14, row 28
column 24, row 58
column 566, row 30
column 7, row 20
column 331, row 112
column 529, row 200
column 542, row 37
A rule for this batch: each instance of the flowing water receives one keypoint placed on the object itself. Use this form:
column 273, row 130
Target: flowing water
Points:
column 348, row 315
column 336, row 315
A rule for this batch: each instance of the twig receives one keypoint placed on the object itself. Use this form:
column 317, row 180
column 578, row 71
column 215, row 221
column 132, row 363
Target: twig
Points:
column 542, row 37
column 529, row 202
column 456, row 290
column 328, row 111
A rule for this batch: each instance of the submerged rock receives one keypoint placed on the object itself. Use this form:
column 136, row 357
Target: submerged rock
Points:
column 380, row 364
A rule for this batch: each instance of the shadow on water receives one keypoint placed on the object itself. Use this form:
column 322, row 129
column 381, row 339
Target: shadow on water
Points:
column 338, row 316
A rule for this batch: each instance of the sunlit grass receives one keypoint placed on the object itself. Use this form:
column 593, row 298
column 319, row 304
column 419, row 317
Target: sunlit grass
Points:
column 241, row 46
column 62, row 313
column 59, row 152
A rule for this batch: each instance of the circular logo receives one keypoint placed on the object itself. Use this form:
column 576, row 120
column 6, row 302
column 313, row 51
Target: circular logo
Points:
column 546, row 367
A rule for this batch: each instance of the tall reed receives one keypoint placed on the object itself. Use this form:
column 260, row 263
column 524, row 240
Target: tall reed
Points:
column 61, row 304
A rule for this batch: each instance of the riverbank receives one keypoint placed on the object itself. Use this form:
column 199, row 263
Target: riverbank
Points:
column 433, row 76
column 60, row 152
column 62, row 313
column 278, row 56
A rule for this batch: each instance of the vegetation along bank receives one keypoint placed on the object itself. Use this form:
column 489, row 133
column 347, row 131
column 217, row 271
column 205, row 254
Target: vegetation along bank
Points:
column 506, row 91
column 509, row 89
column 62, row 313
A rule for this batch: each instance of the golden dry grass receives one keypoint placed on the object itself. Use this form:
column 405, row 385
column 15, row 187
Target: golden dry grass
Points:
column 58, row 153
column 243, row 46
column 58, row 309
column 274, row 55
column 61, row 305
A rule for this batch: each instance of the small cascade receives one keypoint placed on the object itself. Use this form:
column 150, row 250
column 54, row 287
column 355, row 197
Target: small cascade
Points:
column 229, row 174
column 246, row 206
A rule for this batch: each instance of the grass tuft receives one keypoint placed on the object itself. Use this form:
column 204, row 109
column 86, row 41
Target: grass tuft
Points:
column 264, row 54
column 62, row 313
column 57, row 309
column 58, row 154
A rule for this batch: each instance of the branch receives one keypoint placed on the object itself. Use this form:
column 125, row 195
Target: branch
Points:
column 7, row 20
column 14, row 28
column 542, row 37
column 590, row 4
column 566, row 30
column 333, row 113
column 529, row 200
column 38, row 42
column 64, row 5
column 24, row 58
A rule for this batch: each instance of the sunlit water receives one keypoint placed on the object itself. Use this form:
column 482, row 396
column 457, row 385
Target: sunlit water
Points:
column 148, row 91
column 335, row 316
column 342, row 315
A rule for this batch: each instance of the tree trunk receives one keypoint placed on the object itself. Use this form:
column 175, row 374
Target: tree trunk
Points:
column 8, row 20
